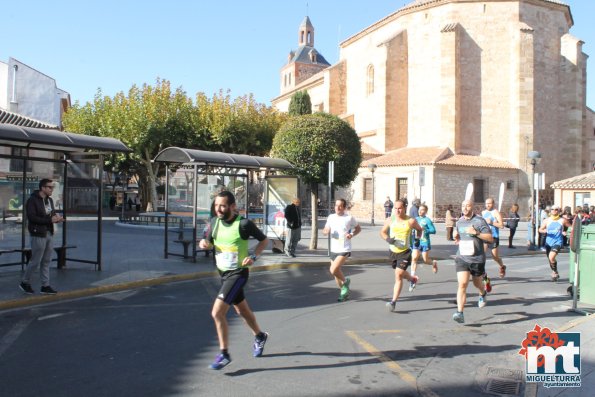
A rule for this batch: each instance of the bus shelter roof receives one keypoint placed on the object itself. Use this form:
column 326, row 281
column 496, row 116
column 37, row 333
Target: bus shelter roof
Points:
column 55, row 140
column 193, row 156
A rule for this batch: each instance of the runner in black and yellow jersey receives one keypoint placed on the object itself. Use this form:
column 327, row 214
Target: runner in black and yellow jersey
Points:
column 397, row 233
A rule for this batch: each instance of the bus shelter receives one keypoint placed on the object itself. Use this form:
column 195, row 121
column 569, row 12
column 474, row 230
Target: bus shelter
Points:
column 75, row 163
column 195, row 177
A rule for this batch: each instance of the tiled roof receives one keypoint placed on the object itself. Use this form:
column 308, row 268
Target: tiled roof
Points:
column 302, row 55
column 306, row 23
column 409, row 156
column 7, row 117
column 367, row 149
column 435, row 155
column 465, row 160
column 584, row 181
column 419, row 3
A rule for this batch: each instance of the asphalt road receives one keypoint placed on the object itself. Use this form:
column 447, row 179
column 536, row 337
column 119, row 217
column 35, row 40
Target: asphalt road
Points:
column 159, row 341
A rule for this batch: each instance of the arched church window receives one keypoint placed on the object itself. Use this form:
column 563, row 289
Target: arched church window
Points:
column 370, row 80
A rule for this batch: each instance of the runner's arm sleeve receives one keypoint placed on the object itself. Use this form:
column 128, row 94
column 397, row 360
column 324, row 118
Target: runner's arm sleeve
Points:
column 430, row 229
column 249, row 229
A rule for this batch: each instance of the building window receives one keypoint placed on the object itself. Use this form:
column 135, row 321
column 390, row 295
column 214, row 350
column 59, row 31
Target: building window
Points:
column 582, row 198
column 370, row 80
column 479, row 193
column 367, row 188
column 289, row 80
column 401, row 188
column 17, row 165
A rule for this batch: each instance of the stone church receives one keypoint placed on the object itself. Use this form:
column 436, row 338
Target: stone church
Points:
column 443, row 93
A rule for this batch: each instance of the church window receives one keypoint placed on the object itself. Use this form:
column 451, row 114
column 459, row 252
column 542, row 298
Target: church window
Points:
column 289, row 79
column 370, row 80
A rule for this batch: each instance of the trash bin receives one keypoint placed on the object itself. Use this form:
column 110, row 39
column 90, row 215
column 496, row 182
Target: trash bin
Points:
column 574, row 235
column 586, row 257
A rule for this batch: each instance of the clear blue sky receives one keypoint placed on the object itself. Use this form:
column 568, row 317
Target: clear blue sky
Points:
column 202, row 46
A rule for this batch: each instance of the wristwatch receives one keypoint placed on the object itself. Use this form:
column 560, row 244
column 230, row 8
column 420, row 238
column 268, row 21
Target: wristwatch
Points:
column 253, row 257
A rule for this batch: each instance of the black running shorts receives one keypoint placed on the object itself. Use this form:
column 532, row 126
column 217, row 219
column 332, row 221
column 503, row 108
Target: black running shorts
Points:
column 476, row 269
column 402, row 260
column 495, row 243
column 556, row 248
column 232, row 286
column 335, row 255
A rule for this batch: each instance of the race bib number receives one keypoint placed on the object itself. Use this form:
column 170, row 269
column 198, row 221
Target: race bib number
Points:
column 227, row 258
column 466, row 247
column 400, row 244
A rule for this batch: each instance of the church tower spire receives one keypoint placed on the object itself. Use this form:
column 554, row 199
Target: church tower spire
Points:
column 304, row 62
column 306, row 33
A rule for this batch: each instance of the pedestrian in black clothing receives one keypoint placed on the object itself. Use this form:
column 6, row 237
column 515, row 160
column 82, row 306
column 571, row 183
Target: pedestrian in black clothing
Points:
column 512, row 223
column 293, row 221
column 388, row 207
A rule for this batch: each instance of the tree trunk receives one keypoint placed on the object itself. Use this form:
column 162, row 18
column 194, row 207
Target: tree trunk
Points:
column 152, row 182
column 314, row 204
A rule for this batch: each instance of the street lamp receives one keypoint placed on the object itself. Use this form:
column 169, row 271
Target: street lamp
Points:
column 534, row 158
column 372, row 168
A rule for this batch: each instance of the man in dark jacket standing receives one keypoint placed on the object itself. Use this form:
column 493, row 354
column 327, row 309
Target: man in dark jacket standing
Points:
column 41, row 217
column 293, row 220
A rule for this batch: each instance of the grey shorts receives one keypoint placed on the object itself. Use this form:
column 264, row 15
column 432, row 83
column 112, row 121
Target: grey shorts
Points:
column 476, row 269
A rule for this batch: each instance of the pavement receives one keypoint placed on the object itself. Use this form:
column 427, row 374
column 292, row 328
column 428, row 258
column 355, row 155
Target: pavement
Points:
column 133, row 257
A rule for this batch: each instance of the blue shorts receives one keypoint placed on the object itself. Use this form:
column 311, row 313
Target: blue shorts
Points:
column 424, row 246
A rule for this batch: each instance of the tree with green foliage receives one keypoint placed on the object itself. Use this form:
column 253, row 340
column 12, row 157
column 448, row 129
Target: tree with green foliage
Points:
column 309, row 142
column 300, row 104
column 150, row 119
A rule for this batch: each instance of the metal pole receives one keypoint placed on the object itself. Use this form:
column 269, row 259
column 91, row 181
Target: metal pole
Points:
column 194, row 222
column 99, row 212
column 537, row 215
column 373, row 198
column 166, row 210
column 331, row 179
column 533, row 206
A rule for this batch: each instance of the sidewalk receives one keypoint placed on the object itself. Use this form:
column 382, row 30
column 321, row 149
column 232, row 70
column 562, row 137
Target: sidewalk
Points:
column 127, row 264
column 133, row 258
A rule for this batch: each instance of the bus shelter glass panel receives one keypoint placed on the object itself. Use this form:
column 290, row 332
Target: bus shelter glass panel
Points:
column 81, row 204
column 18, row 192
column 181, row 194
column 279, row 192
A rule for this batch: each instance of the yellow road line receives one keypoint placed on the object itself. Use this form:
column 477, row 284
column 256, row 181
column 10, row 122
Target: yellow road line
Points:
column 392, row 365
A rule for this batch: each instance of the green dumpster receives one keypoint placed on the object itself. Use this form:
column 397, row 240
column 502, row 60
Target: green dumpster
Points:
column 586, row 258
column 573, row 232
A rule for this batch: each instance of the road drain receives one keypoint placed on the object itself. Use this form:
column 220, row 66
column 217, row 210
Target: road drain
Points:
column 503, row 381
column 503, row 387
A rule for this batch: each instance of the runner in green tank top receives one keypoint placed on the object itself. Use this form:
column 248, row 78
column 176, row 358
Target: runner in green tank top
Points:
column 229, row 234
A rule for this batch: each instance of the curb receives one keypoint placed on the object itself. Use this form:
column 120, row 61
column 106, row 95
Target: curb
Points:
column 92, row 291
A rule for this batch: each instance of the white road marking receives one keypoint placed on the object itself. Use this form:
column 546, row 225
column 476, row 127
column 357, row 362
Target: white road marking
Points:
column 12, row 335
column 50, row 316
